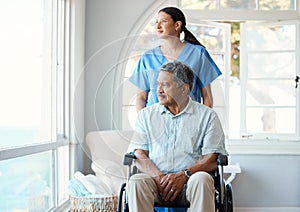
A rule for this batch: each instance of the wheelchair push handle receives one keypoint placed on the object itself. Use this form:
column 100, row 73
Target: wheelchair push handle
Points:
column 222, row 160
column 128, row 158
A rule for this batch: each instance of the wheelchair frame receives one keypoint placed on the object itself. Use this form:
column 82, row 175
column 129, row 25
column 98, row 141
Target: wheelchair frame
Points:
column 223, row 191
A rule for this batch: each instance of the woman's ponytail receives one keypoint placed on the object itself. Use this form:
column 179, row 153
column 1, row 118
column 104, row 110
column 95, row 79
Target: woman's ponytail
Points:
column 189, row 37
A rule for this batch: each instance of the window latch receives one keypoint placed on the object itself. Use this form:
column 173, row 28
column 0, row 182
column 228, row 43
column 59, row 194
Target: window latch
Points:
column 247, row 136
column 297, row 80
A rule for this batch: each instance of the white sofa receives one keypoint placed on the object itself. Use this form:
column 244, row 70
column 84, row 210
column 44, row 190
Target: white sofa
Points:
column 107, row 149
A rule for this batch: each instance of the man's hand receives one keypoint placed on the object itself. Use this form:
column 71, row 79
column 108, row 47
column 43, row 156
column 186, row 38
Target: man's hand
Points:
column 172, row 185
column 157, row 180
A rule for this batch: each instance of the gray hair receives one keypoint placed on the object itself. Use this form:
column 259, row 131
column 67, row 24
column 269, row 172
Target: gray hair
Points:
column 183, row 74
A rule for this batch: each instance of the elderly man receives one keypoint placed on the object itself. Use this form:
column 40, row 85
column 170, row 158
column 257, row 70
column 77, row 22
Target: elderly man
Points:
column 176, row 143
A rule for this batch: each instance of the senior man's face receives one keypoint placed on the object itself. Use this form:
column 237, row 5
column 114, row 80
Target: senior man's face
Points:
column 167, row 91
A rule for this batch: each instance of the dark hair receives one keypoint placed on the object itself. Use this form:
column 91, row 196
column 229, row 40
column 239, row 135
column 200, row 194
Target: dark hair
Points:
column 177, row 15
column 183, row 74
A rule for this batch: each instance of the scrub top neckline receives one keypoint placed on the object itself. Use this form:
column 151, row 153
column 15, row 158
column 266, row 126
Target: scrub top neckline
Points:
column 179, row 56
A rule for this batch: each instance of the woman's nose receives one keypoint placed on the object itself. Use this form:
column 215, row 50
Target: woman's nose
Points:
column 157, row 25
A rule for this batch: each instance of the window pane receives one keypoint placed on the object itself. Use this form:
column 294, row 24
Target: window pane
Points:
column 131, row 63
column 271, row 37
column 271, row 120
column 25, row 75
column 63, row 173
column 238, row 4
column 199, row 4
column 129, row 116
column 146, row 41
column 272, row 65
column 271, row 92
column 277, row 5
column 129, row 91
column 26, row 182
column 268, row 86
column 211, row 37
column 234, row 107
column 219, row 59
column 218, row 91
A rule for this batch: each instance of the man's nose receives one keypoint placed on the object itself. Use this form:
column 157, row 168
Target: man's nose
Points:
column 159, row 89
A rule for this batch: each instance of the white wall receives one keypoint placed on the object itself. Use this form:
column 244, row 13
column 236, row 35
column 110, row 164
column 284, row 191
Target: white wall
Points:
column 265, row 181
column 108, row 23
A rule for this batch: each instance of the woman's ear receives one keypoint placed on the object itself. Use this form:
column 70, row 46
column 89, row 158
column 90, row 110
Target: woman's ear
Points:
column 178, row 25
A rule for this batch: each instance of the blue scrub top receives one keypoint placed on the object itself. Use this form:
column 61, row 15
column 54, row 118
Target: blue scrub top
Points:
column 147, row 70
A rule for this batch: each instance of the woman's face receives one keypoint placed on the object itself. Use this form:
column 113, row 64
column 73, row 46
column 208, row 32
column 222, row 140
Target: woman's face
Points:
column 165, row 26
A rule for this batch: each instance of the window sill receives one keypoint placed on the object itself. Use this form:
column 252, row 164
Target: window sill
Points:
column 263, row 147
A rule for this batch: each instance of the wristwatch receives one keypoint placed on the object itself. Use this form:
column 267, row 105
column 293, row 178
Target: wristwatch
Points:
column 187, row 173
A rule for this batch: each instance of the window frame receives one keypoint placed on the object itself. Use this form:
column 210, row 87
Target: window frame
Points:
column 244, row 81
column 61, row 88
column 236, row 146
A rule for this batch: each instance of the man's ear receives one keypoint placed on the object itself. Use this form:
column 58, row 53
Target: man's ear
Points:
column 186, row 88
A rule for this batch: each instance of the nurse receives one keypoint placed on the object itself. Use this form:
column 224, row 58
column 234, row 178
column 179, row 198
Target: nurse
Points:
column 170, row 23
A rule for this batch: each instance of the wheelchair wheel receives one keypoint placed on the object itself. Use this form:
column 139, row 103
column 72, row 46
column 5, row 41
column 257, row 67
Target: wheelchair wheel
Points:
column 122, row 202
column 229, row 198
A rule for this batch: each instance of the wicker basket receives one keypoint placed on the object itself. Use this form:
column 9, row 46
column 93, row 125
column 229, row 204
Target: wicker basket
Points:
column 97, row 204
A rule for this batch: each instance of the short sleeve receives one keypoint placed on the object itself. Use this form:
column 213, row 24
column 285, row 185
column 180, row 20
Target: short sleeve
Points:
column 214, row 139
column 209, row 70
column 139, row 138
column 139, row 76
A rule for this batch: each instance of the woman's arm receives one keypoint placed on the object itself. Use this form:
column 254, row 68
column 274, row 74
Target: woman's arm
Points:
column 141, row 99
column 207, row 96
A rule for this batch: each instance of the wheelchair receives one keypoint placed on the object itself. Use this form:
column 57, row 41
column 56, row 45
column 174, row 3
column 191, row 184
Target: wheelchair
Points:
column 223, row 190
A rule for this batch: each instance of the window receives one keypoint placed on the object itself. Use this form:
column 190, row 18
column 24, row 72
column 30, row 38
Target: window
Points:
column 268, row 56
column 34, row 150
column 280, row 5
column 256, row 95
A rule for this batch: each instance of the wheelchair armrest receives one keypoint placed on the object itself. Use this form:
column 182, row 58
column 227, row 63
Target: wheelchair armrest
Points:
column 128, row 159
column 222, row 160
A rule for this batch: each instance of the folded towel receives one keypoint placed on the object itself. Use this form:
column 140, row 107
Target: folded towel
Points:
column 76, row 188
column 102, row 186
column 93, row 184
column 110, row 172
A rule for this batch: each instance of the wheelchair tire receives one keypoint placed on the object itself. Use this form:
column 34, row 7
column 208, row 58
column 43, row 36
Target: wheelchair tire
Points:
column 229, row 198
column 122, row 204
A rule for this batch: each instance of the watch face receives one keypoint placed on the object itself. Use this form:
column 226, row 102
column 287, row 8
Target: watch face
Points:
column 188, row 173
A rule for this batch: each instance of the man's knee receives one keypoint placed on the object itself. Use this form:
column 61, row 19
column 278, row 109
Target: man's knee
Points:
column 140, row 180
column 201, row 179
column 139, row 177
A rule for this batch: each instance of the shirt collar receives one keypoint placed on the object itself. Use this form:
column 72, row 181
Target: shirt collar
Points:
column 188, row 108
